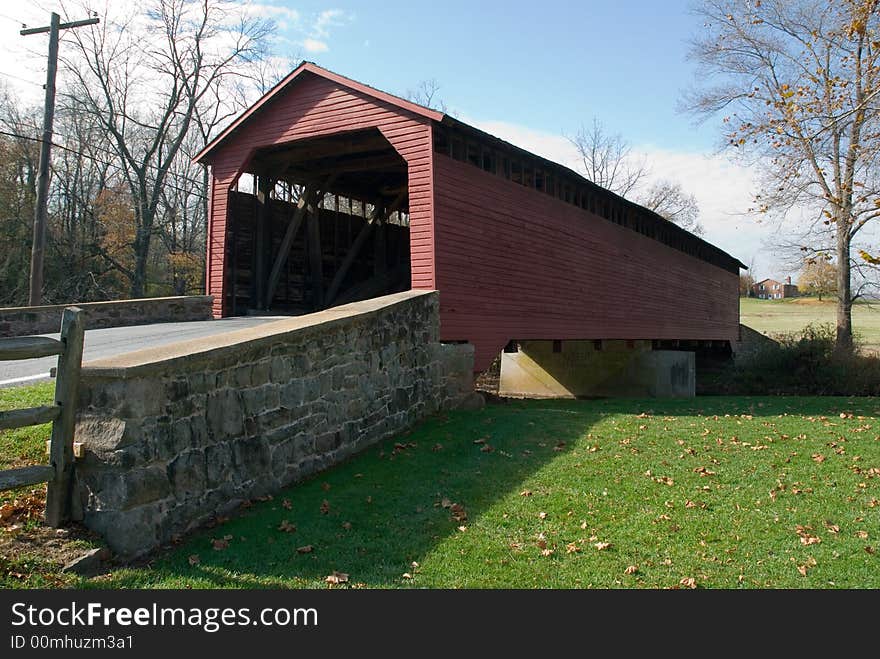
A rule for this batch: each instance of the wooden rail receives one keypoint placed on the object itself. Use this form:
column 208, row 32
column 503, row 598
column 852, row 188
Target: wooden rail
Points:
column 58, row 473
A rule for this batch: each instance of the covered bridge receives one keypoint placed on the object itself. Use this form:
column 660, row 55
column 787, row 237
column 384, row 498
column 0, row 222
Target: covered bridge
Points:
column 328, row 191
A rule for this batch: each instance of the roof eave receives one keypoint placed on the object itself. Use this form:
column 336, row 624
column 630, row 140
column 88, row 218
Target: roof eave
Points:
column 203, row 156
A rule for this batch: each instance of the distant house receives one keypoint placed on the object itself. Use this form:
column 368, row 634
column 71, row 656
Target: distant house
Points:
column 770, row 289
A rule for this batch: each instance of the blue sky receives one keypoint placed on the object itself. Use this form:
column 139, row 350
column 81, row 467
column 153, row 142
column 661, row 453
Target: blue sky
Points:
column 546, row 65
column 529, row 73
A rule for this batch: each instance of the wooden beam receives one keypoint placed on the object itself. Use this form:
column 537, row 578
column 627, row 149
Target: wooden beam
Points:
column 359, row 241
column 32, row 416
column 380, row 249
column 287, row 242
column 11, row 478
column 323, row 150
column 347, row 262
column 262, row 241
column 66, row 390
column 29, row 347
column 384, row 162
column 316, row 257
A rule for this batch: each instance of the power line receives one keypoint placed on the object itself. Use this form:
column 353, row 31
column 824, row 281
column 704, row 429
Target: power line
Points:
column 119, row 169
column 30, row 82
column 9, row 18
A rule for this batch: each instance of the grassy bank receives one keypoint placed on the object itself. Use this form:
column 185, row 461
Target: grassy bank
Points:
column 792, row 315
column 712, row 493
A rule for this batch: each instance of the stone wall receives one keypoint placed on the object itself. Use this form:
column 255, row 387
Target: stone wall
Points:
column 751, row 342
column 177, row 434
column 23, row 321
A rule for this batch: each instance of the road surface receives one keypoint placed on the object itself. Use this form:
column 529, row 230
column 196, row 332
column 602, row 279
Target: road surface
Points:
column 101, row 343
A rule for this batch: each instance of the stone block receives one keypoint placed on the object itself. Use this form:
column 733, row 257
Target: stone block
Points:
column 218, row 464
column 187, row 474
column 224, row 414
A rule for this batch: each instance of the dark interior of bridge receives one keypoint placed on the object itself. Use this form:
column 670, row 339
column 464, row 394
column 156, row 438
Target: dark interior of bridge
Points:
column 317, row 223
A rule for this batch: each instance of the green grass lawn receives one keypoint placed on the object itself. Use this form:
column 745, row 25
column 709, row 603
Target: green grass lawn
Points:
column 792, row 315
column 712, row 492
column 24, row 446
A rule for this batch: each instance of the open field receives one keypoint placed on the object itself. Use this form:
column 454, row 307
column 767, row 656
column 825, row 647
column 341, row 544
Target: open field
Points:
column 792, row 315
column 713, row 492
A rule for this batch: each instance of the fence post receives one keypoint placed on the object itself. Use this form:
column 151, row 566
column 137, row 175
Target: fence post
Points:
column 61, row 446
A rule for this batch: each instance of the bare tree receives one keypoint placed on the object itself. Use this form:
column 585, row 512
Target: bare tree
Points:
column 145, row 80
column 797, row 81
column 668, row 198
column 427, row 93
column 608, row 160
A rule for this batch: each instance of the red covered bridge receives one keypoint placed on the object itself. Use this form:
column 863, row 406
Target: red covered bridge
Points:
column 328, row 191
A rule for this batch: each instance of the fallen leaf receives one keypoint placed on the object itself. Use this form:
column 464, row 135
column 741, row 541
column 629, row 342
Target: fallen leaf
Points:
column 437, row 447
column 572, row 548
column 832, row 528
column 632, row 569
column 870, row 550
column 481, row 440
column 407, row 575
column 602, row 545
column 862, row 534
column 688, row 582
column 462, row 528
column 802, row 569
column 818, row 457
column 194, row 559
column 220, row 543
column 807, row 538
column 287, row 527
column 285, row 503
column 546, row 552
column 486, row 448
column 6, row 510
column 336, row 578
column 459, row 514
column 346, row 525
column 325, row 486
column 542, row 515
column 305, row 549
column 526, row 493
column 665, row 480
column 325, row 507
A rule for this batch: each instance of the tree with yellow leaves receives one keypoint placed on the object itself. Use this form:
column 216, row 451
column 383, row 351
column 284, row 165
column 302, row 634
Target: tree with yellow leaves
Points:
column 798, row 83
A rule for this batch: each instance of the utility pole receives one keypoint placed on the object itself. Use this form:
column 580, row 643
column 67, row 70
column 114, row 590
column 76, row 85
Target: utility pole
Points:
column 41, row 212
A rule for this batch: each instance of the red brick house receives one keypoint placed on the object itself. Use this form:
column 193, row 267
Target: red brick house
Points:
column 770, row 289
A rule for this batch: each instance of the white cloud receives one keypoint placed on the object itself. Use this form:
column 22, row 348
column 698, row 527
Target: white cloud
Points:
column 314, row 45
column 272, row 11
column 327, row 19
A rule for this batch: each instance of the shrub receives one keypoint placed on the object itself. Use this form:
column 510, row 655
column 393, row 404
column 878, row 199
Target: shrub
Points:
column 804, row 362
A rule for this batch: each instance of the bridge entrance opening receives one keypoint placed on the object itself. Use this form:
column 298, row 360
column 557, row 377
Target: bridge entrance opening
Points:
column 317, row 223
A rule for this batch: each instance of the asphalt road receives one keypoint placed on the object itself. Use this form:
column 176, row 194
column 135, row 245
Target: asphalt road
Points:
column 100, row 343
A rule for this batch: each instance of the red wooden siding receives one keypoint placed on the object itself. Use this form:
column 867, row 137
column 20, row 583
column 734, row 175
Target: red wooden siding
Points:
column 515, row 263
column 313, row 106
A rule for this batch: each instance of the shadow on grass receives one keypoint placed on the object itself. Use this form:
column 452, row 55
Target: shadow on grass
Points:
column 372, row 516
column 385, row 507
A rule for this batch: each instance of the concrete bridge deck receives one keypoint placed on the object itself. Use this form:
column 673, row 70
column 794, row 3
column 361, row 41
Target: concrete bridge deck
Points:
column 112, row 341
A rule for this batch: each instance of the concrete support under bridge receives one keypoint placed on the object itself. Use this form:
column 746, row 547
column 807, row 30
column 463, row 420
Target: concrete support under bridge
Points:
column 613, row 368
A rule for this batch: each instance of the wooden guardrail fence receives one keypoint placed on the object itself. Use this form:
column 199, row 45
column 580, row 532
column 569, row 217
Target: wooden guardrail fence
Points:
column 58, row 473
